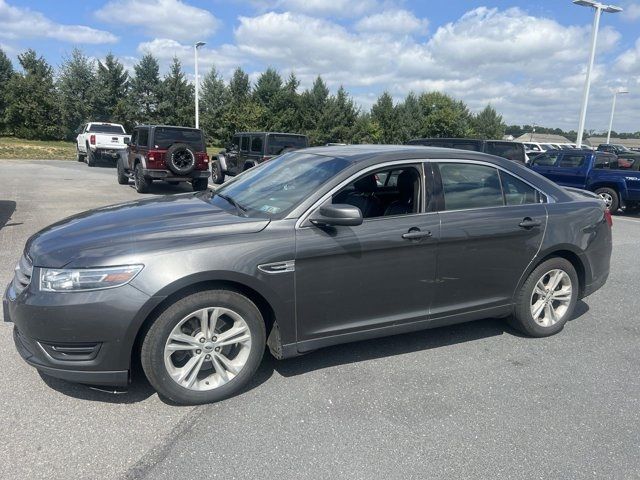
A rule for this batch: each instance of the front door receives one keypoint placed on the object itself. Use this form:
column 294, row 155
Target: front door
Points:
column 492, row 225
column 378, row 274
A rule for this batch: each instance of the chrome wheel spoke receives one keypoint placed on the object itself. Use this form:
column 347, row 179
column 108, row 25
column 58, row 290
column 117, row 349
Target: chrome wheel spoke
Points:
column 550, row 301
column 233, row 336
column 226, row 363
column 220, row 369
column 184, row 339
column 204, row 321
column 562, row 295
column 537, row 309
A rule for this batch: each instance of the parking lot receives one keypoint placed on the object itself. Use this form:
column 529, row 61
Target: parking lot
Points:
column 471, row 400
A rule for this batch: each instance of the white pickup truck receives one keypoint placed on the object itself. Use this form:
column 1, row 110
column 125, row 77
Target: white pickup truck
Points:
column 98, row 140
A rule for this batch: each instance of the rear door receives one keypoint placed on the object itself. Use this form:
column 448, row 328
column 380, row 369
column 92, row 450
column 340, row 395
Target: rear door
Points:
column 132, row 150
column 256, row 150
column 571, row 169
column 492, row 225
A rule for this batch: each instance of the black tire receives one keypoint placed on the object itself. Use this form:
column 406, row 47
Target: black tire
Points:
column 523, row 318
column 173, row 182
column 143, row 184
column 91, row 158
column 199, row 184
column 610, row 196
column 123, row 178
column 181, row 159
column 152, row 352
column 79, row 156
column 247, row 166
column 217, row 175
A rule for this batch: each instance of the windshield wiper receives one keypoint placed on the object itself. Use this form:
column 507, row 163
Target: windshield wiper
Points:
column 239, row 208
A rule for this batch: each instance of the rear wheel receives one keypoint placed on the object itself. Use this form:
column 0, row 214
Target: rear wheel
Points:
column 200, row 184
column 547, row 299
column 143, row 184
column 610, row 197
column 205, row 347
column 217, row 176
column 91, row 158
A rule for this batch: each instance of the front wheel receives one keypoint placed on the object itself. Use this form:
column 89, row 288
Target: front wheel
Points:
column 547, row 298
column 205, row 347
column 123, row 178
column 610, row 197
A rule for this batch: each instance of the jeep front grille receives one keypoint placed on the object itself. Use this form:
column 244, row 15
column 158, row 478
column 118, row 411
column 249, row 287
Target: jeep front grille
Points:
column 22, row 275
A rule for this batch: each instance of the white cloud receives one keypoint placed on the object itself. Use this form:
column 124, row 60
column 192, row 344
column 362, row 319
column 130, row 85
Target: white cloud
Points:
column 17, row 22
column 629, row 61
column 399, row 22
column 631, row 12
column 338, row 8
column 173, row 18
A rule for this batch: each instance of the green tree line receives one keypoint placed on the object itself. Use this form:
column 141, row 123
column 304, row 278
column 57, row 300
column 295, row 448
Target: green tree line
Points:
column 37, row 102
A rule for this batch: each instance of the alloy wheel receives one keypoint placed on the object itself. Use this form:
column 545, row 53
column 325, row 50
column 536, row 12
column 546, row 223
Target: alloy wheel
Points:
column 207, row 348
column 608, row 199
column 551, row 297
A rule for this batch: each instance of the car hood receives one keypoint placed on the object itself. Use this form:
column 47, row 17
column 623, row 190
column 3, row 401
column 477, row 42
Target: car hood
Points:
column 124, row 233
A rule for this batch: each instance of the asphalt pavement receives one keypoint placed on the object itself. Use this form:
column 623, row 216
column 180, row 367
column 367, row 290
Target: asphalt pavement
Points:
column 474, row 400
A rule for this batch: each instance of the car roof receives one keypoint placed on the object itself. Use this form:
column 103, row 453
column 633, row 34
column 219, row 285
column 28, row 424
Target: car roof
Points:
column 271, row 133
column 166, row 126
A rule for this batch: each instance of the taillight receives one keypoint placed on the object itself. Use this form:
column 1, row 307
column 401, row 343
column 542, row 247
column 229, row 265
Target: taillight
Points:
column 608, row 218
column 152, row 157
column 92, row 139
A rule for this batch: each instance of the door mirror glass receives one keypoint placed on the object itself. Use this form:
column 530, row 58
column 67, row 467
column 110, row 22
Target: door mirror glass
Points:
column 337, row 215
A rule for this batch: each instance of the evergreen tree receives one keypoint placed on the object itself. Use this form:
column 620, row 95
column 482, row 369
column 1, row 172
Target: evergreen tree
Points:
column 385, row 115
column 242, row 113
column 6, row 73
column 488, row 124
column 287, row 105
column 177, row 106
column 266, row 93
column 213, row 102
column 339, row 118
column 312, row 104
column 110, row 92
column 365, row 130
column 32, row 101
column 442, row 116
column 146, row 90
column 76, row 87
column 409, row 118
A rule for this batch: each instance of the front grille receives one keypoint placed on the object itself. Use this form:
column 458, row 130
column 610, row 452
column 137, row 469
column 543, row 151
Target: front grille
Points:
column 22, row 275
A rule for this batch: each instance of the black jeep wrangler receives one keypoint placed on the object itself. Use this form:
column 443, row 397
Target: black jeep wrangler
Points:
column 167, row 153
column 248, row 149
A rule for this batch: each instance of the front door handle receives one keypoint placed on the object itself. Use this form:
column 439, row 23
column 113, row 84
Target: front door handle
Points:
column 415, row 234
column 528, row 222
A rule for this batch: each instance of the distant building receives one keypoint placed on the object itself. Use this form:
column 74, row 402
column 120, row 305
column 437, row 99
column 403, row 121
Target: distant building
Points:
column 627, row 142
column 542, row 138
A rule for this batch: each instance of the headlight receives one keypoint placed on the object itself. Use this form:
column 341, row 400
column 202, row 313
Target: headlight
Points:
column 70, row 280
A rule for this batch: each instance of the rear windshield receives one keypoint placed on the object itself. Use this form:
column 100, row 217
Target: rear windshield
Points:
column 277, row 143
column 116, row 129
column 167, row 136
column 508, row 150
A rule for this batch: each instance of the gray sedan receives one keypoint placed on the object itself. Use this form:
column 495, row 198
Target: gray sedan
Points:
column 317, row 247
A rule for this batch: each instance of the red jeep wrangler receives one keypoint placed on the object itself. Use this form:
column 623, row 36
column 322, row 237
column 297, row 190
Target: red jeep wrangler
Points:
column 161, row 152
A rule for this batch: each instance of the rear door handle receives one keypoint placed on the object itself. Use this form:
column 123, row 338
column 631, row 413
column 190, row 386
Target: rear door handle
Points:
column 415, row 235
column 528, row 222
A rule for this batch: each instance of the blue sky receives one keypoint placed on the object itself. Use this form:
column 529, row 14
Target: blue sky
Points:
column 525, row 58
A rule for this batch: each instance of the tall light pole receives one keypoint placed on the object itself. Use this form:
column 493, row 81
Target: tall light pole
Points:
column 599, row 8
column 619, row 91
column 195, row 52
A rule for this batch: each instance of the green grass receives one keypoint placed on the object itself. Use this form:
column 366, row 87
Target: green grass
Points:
column 11, row 147
column 18, row 148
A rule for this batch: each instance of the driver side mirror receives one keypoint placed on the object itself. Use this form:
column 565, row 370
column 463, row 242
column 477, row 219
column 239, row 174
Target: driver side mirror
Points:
column 339, row 214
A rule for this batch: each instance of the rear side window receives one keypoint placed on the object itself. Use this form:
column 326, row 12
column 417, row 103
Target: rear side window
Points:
column 256, row 144
column 508, row 150
column 572, row 161
column 516, row 192
column 277, row 143
column 467, row 185
column 134, row 137
column 473, row 146
column 546, row 160
column 244, row 144
column 143, row 137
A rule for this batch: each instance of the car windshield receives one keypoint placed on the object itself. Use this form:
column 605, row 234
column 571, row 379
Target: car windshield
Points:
column 164, row 137
column 115, row 129
column 274, row 188
column 622, row 148
column 277, row 143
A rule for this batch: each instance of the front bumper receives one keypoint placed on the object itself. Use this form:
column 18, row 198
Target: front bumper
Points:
column 169, row 176
column 84, row 337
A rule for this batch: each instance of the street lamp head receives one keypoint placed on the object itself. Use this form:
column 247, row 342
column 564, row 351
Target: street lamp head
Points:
column 622, row 90
column 200, row 44
column 598, row 5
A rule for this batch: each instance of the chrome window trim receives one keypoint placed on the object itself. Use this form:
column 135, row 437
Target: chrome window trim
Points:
column 417, row 161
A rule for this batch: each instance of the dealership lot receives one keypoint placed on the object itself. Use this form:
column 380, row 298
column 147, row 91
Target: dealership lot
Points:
column 469, row 400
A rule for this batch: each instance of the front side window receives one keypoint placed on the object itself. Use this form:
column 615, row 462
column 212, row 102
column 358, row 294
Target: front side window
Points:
column 546, row 160
column 143, row 137
column 572, row 161
column 466, row 185
column 384, row 193
column 274, row 188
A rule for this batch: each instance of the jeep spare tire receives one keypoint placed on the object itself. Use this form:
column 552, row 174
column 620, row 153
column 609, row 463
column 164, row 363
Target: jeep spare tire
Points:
column 181, row 159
